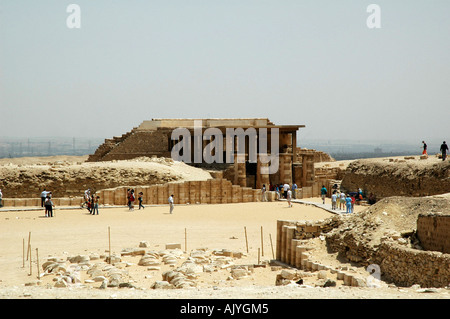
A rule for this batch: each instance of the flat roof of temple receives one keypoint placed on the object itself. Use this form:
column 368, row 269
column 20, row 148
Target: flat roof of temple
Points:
column 213, row 122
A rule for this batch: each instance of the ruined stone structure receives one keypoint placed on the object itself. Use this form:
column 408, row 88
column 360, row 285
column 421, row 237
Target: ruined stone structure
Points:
column 433, row 231
column 154, row 138
column 399, row 264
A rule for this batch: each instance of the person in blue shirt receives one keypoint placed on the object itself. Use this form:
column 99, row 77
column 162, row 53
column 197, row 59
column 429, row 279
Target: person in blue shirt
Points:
column 348, row 203
column 323, row 191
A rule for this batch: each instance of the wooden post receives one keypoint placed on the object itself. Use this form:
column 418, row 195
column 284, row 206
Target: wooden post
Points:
column 258, row 256
column 29, row 242
column 23, row 253
column 37, row 259
column 262, row 242
column 271, row 245
column 185, row 239
column 31, row 271
column 109, row 240
column 246, row 240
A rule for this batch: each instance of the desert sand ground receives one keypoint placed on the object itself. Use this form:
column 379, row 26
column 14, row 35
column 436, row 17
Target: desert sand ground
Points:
column 74, row 232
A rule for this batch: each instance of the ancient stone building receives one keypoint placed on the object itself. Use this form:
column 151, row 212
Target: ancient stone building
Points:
column 241, row 160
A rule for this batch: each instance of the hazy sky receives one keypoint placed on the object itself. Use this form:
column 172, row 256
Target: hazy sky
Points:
column 312, row 62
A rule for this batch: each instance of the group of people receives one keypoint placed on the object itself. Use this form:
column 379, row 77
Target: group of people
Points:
column 131, row 198
column 282, row 191
column 346, row 200
column 91, row 201
column 443, row 149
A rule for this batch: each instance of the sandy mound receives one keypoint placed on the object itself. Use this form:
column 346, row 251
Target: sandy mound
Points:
column 66, row 176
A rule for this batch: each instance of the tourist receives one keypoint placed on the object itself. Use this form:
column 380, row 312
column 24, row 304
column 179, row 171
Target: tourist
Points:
column 43, row 197
column 277, row 191
column 342, row 201
column 141, row 194
column 171, row 203
column 86, row 197
column 263, row 192
column 95, row 204
column 131, row 200
column 353, row 202
column 348, row 203
column 289, row 197
column 333, row 200
column 48, row 204
column 285, row 189
column 424, row 149
column 91, row 203
column 294, row 188
column 1, row 195
column 323, row 192
column 444, row 150
column 128, row 198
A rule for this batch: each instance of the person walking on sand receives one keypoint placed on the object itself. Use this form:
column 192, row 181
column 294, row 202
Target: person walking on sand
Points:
column 289, row 197
column 1, row 195
column 285, row 189
column 140, row 200
column 424, row 152
column 323, row 192
column 95, row 200
column 131, row 200
column 86, row 197
column 171, row 203
column 48, row 204
column 444, row 150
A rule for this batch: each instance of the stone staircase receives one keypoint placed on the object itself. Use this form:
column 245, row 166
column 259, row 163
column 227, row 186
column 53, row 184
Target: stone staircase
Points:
column 108, row 146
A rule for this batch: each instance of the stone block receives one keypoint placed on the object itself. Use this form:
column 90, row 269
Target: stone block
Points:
column 173, row 246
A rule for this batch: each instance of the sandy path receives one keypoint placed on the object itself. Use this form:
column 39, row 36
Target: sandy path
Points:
column 76, row 232
column 72, row 232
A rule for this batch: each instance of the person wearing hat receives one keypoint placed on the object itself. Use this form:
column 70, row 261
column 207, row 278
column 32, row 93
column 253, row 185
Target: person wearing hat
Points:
column 444, row 150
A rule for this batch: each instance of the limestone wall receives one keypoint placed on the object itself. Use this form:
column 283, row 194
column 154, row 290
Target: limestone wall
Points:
column 433, row 231
column 406, row 266
column 213, row 191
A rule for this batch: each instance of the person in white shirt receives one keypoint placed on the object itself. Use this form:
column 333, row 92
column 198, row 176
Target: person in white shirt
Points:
column 43, row 197
column 1, row 196
column 333, row 200
column 289, row 197
column 171, row 203
column 285, row 189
